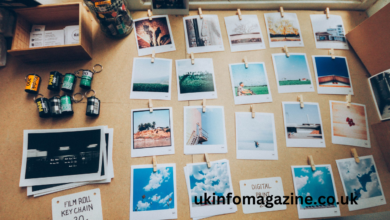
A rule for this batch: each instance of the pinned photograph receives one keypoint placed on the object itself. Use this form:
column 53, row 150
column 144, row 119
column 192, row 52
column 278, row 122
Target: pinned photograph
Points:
column 283, row 31
column 54, row 156
column 292, row 73
column 329, row 32
column 303, row 125
column 153, row 194
column 250, row 85
column 153, row 35
column 380, row 89
column 244, row 34
column 332, row 75
column 195, row 81
column 256, row 137
column 361, row 180
column 202, row 35
column 170, row 7
column 151, row 80
column 315, row 184
column 152, row 132
column 204, row 132
column 349, row 124
column 215, row 182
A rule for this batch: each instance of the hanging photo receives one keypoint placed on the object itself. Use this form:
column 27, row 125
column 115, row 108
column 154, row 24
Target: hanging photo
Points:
column 170, row 7
column 244, row 34
column 292, row 73
column 349, row 124
column 202, row 35
column 329, row 32
column 256, row 137
column 204, row 132
column 153, row 35
column 283, row 31
column 195, row 81
column 151, row 80
column 250, row 85
column 303, row 125
column 152, row 132
column 380, row 89
column 332, row 75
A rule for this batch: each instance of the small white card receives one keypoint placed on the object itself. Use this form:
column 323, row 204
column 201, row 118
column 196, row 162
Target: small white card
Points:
column 261, row 187
column 54, row 38
column 36, row 39
column 72, row 33
column 83, row 205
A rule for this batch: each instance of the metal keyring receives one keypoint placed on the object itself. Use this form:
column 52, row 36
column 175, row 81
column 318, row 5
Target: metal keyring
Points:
column 86, row 93
column 101, row 68
column 37, row 96
column 75, row 100
column 76, row 73
column 57, row 96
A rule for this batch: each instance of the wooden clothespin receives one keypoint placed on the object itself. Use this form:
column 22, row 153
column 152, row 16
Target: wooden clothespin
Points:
column 331, row 52
column 204, row 105
column 154, row 164
column 348, row 99
column 239, row 14
column 327, row 12
column 253, row 111
column 281, row 12
column 246, row 62
column 311, row 162
column 153, row 56
column 300, row 100
column 150, row 106
column 192, row 58
column 286, row 51
column 200, row 13
column 355, row 155
column 149, row 15
column 206, row 157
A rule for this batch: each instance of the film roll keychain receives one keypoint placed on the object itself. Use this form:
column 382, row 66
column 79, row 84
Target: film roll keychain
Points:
column 55, row 80
column 55, row 106
column 87, row 76
column 42, row 105
column 93, row 104
column 69, row 81
column 32, row 83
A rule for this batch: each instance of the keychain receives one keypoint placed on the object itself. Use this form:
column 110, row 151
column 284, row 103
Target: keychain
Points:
column 69, row 81
column 93, row 104
column 43, row 106
column 54, row 81
column 55, row 106
column 32, row 83
column 86, row 78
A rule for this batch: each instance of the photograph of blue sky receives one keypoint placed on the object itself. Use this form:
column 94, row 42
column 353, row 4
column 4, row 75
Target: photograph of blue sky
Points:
column 153, row 191
column 213, row 124
column 327, row 66
column 254, row 75
column 146, row 72
column 314, row 184
column 296, row 115
column 291, row 68
column 185, row 66
column 361, row 179
column 161, row 117
column 209, row 180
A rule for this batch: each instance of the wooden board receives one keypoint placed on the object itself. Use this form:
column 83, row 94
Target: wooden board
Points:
column 19, row 112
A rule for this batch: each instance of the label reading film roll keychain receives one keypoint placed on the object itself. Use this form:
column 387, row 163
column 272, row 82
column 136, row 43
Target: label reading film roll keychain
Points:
column 87, row 76
column 55, row 106
column 69, row 81
column 55, row 80
column 32, row 83
column 93, row 104
column 42, row 105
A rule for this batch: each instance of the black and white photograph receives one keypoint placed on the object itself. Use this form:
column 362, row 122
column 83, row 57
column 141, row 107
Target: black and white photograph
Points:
column 203, row 35
column 283, row 31
column 244, row 34
column 380, row 89
column 55, row 156
column 153, row 35
column 151, row 80
column 329, row 32
column 170, row 7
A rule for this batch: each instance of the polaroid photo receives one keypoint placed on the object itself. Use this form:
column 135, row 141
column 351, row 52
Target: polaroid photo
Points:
column 244, row 34
column 54, row 156
column 203, row 35
column 349, row 125
column 153, row 35
column 250, row 85
column 214, row 180
column 151, row 80
column 196, row 81
column 329, row 32
column 292, row 73
column 170, row 7
column 153, row 195
column 332, row 75
column 152, row 132
column 204, row 132
column 361, row 180
column 256, row 137
column 303, row 125
column 283, row 31
column 380, row 89
column 315, row 184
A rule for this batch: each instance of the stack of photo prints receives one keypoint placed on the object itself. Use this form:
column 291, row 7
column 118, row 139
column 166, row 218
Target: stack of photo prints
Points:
column 60, row 159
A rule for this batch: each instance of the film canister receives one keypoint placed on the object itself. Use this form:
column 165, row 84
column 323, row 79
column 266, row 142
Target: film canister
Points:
column 93, row 104
column 87, row 76
column 42, row 105
column 66, row 105
column 54, row 81
column 55, row 106
column 69, row 81
column 32, row 83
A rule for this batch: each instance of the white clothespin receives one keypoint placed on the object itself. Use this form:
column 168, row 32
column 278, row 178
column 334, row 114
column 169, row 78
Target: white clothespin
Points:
column 150, row 106
column 355, row 155
column 281, row 12
column 331, row 52
column 206, row 157
column 153, row 56
column 154, row 164
column 200, row 13
column 204, row 105
column 246, row 62
column 311, row 162
column 348, row 99
column 149, row 15
column 286, row 51
column 300, row 100
column 239, row 14
column 192, row 58
column 253, row 111
column 327, row 13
